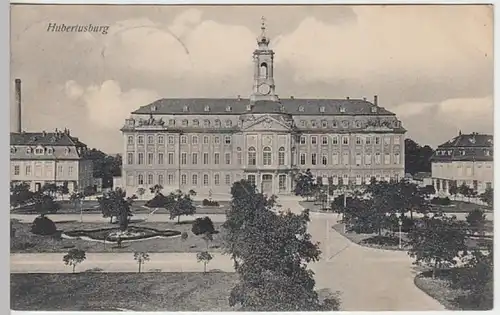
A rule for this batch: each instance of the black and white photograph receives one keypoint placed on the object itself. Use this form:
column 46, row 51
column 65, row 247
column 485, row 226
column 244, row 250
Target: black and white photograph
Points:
column 258, row 158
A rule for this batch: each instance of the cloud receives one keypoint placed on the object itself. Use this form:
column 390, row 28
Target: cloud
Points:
column 73, row 90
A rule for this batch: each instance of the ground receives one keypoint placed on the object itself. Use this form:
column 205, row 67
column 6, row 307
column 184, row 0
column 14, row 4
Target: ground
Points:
column 129, row 291
column 27, row 242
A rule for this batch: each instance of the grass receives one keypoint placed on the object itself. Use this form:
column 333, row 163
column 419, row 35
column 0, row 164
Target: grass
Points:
column 460, row 206
column 26, row 242
column 130, row 291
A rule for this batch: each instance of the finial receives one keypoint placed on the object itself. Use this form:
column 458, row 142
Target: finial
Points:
column 263, row 24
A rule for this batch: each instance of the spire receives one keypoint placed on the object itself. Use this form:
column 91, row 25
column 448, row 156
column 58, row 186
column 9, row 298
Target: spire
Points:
column 263, row 39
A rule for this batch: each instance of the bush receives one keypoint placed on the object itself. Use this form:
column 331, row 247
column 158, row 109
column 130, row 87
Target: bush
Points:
column 441, row 201
column 203, row 226
column 209, row 203
column 184, row 236
column 43, row 226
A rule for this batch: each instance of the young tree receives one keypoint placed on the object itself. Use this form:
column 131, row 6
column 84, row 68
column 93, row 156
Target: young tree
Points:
column 141, row 258
column 156, row 189
column 204, row 257
column 179, row 203
column 476, row 219
column 74, row 257
column 204, row 226
column 487, row 196
column 140, row 192
column 115, row 204
column 438, row 241
column 304, row 184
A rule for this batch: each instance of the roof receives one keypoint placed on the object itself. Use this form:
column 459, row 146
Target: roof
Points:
column 293, row 106
column 44, row 138
column 469, row 140
column 465, row 147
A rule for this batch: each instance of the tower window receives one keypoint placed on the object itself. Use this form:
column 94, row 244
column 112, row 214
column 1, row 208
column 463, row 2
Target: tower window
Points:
column 263, row 70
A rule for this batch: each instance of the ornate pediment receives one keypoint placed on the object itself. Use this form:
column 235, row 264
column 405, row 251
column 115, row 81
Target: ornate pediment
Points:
column 266, row 123
column 379, row 125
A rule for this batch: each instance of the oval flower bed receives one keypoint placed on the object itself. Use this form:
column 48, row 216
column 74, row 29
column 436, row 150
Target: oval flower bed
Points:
column 112, row 234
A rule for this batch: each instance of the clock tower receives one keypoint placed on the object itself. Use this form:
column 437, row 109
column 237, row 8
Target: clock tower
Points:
column 263, row 58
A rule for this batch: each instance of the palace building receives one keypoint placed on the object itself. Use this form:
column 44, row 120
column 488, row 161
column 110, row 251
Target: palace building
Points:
column 467, row 158
column 207, row 144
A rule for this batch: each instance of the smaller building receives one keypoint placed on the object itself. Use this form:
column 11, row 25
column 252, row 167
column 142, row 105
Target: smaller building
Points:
column 467, row 158
column 56, row 157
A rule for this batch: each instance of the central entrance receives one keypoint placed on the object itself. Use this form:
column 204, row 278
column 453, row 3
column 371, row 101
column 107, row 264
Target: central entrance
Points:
column 267, row 183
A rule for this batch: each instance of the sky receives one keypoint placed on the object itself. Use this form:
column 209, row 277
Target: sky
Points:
column 431, row 65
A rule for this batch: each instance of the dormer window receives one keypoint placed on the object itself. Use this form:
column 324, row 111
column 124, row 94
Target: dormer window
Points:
column 50, row 151
column 374, row 109
column 185, row 108
column 342, row 109
column 29, row 150
column 324, row 124
column 345, row 124
column 303, row 123
column 463, row 152
column 334, row 123
column 301, row 108
column 206, row 123
column 66, row 151
column 217, row 123
column 171, row 122
column 487, row 152
column 184, row 123
column 207, row 108
column 228, row 108
column 196, row 122
column 322, row 109
column 358, row 124
column 12, row 150
column 313, row 123
column 229, row 123
column 39, row 150
column 153, row 108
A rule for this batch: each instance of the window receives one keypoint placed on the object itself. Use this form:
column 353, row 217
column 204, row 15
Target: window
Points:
column 377, row 158
column 303, row 123
column 227, row 139
column 151, row 140
column 130, row 158
column 206, row 140
column 387, row 140
column 302, row 159
column 377, row 140
column 358, row 159
column 217, row 179
column 345, row 140
column 28, row 150
column 206, row 123
column 171, row 122
column 334, row 124
column 38, row 170
column 266, row 156
column 387, row 158
column 314, row 123
column 130, row 140
column 205, row 158
column 216, row 139
column 194, row 139
column 324, row 124
column 324, row 140
column 282, row 182
column 170, row 139
column 170, row 179
column 228, row 158
column 335, row 140
column 313, row 158
column 314, row 140
column 185, row 108
column 252, row 156
column 303, row 140
column 140, row 139
column 205, row 179
column 183, row 179
column 183, row 139
column 335, row 158
column 39, row 151
column 160, row 158
column 281, row 156
column 227, row 180
column 70, row 170
column 194, row 179
column 251, row 179
column 196, row 122
column 194, row 158
column 228, row 108
column 160, row 179
column 358, row 140
column 345, row 179
column 322, row 109
column 170, row 158
column 229, row 123
column 345, row 158
column 184, row 123
column 358, row 180
column 28, row 170
column 324, row 160
column 216, row 158
column 150, row 179
column 161, row 139
column 140, row 158
column 150, row 158
column 368, row 140
column 368, row 159
column 397, row 158
column 17, row 169
column 238, row 156
column 140, row 179
column 183, row 158
column 217, row 123
column 397, row 139
column 301, row 108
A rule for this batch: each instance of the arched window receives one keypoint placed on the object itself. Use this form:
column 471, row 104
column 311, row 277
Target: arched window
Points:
column 281, row 156
column 266, row 156
column 229, row 123
column 263, row 70
column 217, row 123
column 252, row 157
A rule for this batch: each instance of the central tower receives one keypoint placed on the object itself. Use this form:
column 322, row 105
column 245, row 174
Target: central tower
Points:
column 263, row 58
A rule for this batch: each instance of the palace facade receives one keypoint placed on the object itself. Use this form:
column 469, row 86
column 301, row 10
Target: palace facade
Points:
column 207, row 144
column 467, row 158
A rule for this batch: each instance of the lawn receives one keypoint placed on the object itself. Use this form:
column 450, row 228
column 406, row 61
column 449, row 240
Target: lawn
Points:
column 26, row 242
column 460, row 206
column 146, row 292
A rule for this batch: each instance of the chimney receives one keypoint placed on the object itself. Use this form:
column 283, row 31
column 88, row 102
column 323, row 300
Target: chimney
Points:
column 239, row 97
column 347, row 98
column 18, row 126
column 364, row 98
column 375, row 100
column 292, row 97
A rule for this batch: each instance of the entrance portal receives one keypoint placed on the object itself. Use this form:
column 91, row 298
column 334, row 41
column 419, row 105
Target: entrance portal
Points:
column 267, row 183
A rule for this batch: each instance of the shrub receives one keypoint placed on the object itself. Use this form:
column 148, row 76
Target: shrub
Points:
column 209, row 203
column 43, row 226
column 184, row 236
column 441, row 201
column 203, row 226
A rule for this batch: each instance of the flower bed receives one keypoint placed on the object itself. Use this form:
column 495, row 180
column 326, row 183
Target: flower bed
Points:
column 112, row 234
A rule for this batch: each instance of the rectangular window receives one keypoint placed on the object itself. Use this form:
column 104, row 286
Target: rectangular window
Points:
column 38, row 170
column 251, row 179
column 216, row 158
column 324, row 160
column 217, row 140
column 358, row 140
column 183, row 139
column 130, row 140
column 28, row 170
column 150, row 179
column 313, row 158
column 397, row 158
column 228, row 180
column 194, row 140
column 140, row 139
column 281, row 158
column 335, row 158
column 160, row 179
column 239, row 158
column 302, row 159
column 206, row 140
column 368, row 159
column 161, row 140
column 227, row 139
column 17, row 170
column 387, row 159
column 59, row 169
column 194, row 180
column 358, row 180
column 130, row 158
column 368, row 140
column 171, row 140
column 160, row 158
column 205, row 158
column 183, row 179
column 70, row 170
column 335, row 140
column 345, row 140
column 252, row 158
column 358, row 159
column 303, row 140
column 140, row 158
column 377, row 158
column 194, row 158
column 151, row 140
column 397, row 139
column 228, row 158
column 150, row 158
column 183, row 158
column 140, row 179
column 387, row 140
column 345, row 158
column 170, row 158
column 205, row 180
column 314, row 140
column 377, row 140
column 170, row 179
column 216, row 179
column 324, row 140
column 282, row 182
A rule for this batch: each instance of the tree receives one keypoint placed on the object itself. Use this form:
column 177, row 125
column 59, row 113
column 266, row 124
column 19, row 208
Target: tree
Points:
column 438, row 241
column 74, row 257
column 271, row 252
column 158, row 201
column 476, row 219
column 105, row 166
column 413, row 198
column 89, row 191
column 115, row 204
column 156, row 189
column 428, row 190
column 141, row 258
column 179, row 203
column 304, row 184
column 63, row 189
column 204, row 257
column 487, row 196
column 140, row 192
column 49, row 188
column 204, row 226
column 417, row 158
column 45, row 204
column 20, row 194
column 453, row 189
column 464, row 190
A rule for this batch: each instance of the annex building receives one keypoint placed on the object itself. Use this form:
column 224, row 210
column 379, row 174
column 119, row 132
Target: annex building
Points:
column 467, row 158
column 207, row 144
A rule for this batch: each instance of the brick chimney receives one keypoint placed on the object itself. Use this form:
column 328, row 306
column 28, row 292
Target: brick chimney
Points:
column 18, row 121
column 375, row 100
